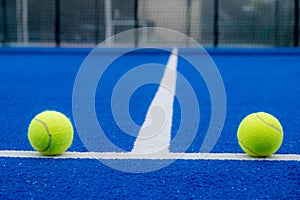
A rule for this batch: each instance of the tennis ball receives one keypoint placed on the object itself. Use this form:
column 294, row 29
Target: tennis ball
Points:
column 260, row 134
column 50, row 133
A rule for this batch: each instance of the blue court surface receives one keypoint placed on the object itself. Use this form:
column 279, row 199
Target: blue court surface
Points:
column 33, row 80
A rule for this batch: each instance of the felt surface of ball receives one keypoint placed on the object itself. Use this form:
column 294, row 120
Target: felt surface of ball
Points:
column 50, row 133
column 260, row 134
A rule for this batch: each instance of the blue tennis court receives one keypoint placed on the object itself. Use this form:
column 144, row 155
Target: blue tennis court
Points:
column 34, row 80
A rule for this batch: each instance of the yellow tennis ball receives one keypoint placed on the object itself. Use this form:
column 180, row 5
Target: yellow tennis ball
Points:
column 50, row 133
column 260, row 134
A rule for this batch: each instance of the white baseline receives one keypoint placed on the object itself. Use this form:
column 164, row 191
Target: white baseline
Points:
column 134, row 156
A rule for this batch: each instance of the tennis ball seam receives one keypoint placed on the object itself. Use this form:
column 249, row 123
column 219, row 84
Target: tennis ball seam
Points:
column 256, row 154
column 48, row 132
column 267, row 124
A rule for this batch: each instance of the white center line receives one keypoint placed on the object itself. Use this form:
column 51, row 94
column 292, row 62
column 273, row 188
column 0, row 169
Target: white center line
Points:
column 155, row 133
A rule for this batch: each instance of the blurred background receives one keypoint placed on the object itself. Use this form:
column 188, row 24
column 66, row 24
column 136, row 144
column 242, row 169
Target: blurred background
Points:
column 213, row 23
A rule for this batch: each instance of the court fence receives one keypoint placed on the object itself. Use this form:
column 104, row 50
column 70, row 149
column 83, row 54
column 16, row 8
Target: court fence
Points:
column 213, row 23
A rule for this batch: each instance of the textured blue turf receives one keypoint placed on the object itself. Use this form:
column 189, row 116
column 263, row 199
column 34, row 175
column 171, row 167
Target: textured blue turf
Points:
column 68, row 179
column 36, row 80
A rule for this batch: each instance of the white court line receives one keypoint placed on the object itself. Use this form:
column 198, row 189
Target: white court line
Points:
column 133, row 156
column 155, row 133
